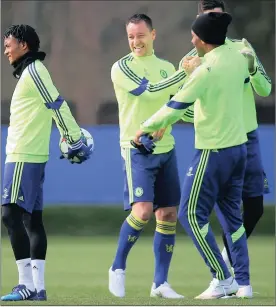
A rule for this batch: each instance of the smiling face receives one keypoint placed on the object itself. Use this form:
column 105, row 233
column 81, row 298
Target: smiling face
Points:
column 140, row 38
column 14, row 49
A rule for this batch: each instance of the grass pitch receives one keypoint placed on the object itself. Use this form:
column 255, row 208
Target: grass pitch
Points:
column 77, row 272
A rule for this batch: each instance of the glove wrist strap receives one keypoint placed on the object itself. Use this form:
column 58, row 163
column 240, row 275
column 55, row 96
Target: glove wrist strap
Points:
column 77, row 145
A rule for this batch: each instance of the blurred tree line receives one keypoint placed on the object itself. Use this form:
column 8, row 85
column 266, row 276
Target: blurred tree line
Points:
column 83, row 39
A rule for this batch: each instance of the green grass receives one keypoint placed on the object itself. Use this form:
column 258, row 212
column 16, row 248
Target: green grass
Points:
column 77, row 272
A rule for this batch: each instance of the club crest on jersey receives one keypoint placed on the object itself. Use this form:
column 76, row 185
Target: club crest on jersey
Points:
column 163, row 73
column 139, row 192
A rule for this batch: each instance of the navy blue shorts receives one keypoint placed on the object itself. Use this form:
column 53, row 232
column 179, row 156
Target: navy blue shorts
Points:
column 255, row 181
column 23, row 185
column 151, row 178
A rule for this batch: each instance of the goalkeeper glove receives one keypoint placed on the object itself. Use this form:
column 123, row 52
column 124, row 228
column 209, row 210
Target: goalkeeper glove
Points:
column 249, row 55
column 147, row 145
column 80, row 150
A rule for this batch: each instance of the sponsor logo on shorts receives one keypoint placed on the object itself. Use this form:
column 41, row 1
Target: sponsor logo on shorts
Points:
column 190, row 172
column 5, row 194
column 139, row 192
column 21, row 198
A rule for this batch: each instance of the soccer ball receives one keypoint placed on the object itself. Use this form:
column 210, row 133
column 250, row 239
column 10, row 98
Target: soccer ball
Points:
column 64, row 146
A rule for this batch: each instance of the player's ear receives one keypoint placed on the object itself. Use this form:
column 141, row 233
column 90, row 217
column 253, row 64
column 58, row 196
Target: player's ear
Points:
column 24, row 45
column 153, row 34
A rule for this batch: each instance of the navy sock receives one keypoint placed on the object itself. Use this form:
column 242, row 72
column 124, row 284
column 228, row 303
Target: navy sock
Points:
column 130, row 232
column 163, row 245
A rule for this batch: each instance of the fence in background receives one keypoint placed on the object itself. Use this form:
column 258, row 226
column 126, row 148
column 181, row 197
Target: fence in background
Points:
column 99, row 181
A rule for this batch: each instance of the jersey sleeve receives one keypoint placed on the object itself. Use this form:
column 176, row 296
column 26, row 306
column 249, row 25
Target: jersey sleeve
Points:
column 259, row 79
column 126, row 78
column 179, row 105
column 188, row 116
column 53, row 101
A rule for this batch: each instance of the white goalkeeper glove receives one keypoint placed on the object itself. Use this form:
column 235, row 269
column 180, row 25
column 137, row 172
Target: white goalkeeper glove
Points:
column 249, row 55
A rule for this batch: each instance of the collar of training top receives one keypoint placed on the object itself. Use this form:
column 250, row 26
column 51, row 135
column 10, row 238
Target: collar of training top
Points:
column 26, row 60
column 144, row 58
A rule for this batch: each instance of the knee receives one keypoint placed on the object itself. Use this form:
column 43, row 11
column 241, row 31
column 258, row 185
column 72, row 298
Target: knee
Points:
column 10, row 215
column 33, row 221
column 143, row 210
column 166, row 214
column 6, row 217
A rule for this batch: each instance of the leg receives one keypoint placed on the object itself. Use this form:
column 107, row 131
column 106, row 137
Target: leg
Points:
column 12, row 217
column 163, row 243
column 253, row 209
column 38, row 241
column 139, row 173
column 255, row 184
column 167, row 198
column 163, row 246
column 18, row 201
column 130, row 232
column 199, row 194
column 230, row 206
column 236, row 239
column 226, row 253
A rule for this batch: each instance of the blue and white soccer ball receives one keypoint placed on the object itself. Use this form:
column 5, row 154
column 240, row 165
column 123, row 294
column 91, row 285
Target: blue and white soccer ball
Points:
column 64, row 146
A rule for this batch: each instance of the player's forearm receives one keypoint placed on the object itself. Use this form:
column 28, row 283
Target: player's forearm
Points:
column 66, row 123
column 163, row 118
column 260, row 82
column 188, row 116
column 170, row 84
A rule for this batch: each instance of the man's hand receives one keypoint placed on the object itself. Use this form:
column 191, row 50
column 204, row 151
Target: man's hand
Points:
column 143, row 142
column 80, row 150
column 249, row 55
column 158, row 135
column 190, row 63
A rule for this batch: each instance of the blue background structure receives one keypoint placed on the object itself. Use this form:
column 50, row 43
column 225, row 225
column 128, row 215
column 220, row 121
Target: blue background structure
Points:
column 99, row 181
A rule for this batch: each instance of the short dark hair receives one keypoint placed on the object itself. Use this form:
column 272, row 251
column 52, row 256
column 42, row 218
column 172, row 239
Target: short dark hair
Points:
column 136, row 18
column 205, row 5
column 26, row 34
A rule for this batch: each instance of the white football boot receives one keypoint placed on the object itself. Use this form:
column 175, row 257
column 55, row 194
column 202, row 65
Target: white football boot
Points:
column 117, row 282
column 164, row 291
column 245, row 292
column 219, row 288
